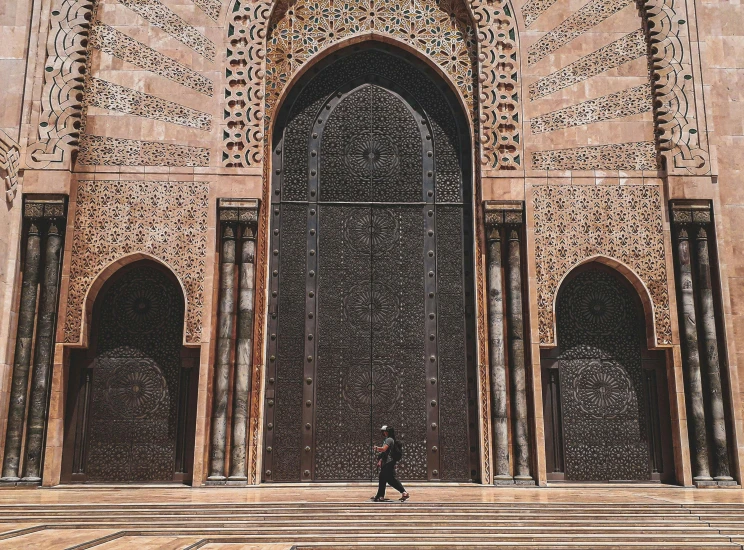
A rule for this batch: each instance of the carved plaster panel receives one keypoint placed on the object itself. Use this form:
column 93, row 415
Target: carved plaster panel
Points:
column 114, row 219
column 624, row 223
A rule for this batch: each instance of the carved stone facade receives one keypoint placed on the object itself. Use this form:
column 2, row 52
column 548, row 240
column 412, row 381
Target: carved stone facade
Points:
column 574, row 126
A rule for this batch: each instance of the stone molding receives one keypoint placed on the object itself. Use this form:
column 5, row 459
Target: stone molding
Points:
column 681, row 136
column 239, row 210
column 59, row 123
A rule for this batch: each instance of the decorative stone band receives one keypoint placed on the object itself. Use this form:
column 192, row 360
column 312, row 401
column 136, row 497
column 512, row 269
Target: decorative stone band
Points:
column 10, row 171
column 628, row 102
column 107, row 95
column 108, row 151
column 641, row 155
column 210, row 7
column 582, row 20
column 114, row 42
column 629, row 47
column 162, row 17
column 534, row 9
column 691, row 212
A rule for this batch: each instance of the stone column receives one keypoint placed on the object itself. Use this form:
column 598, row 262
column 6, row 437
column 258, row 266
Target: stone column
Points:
column 691, row 360
column 711, row 360
column 43, row 353
column 517, row 372
column 40, row 215
column 499, row 425
column 224, row 348
column 244, row 351
column 22, row 359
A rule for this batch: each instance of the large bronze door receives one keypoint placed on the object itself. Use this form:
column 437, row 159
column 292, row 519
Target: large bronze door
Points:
column 131, row 405
column 368, row 321
column 606, row 412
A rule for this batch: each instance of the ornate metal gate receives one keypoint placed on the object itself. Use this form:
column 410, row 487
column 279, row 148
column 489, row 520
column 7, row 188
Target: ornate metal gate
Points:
column 129, row 402
column 604, row 418
column 371, row 276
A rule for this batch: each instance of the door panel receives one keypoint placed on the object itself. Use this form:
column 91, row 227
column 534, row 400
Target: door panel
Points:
column 343, row 394
column 398, row 339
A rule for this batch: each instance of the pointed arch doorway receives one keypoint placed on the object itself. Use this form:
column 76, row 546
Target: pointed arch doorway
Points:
column 606, row 406
column 370, row 312
column 131, row 406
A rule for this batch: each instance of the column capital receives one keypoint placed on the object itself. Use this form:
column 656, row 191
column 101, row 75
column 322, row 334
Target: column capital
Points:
column 687, row 212
column 36, row 207
column 496, row 213
column 244, row 211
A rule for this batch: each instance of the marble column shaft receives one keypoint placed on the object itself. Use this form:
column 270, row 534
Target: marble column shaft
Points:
column 691, row 361
column 224, row 345
column 499, row 422
column 243, row 353
column 711, row 360
column 22, row 358
column 43, row 354
column 517, row 373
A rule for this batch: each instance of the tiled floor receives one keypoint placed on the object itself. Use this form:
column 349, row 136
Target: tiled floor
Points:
column 340, row 516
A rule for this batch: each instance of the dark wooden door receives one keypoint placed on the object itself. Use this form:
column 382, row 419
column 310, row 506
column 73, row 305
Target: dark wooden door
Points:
column 369, row 299
column 606, row 408
column 131, row 398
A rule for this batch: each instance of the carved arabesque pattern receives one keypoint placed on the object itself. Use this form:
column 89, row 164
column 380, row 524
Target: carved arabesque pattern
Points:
column 114, row 219
column 498, row 124
column 135, row 382
column 602, row 399
column 248, row 101
column 10, row 162
column 624, row 223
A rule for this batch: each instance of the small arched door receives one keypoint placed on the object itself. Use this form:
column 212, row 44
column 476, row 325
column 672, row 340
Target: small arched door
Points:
column 131, row 404
column 605, row 394
column 371, row 278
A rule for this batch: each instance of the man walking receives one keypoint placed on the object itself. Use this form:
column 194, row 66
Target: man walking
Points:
column 386, row 463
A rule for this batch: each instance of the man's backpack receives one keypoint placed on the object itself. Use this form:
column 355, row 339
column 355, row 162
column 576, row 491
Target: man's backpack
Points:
column 396, row 453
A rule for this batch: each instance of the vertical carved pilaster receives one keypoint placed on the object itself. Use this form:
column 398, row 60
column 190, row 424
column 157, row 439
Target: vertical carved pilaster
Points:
column 518, row 375
column 711, row 361
column 507, row 217
column 499, row 424
column 22, row 360
column 43, row 353
column 691, row 359
column 45, row 218
column 224, row 348
column 248, row 217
